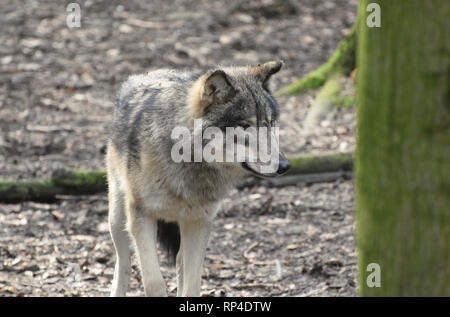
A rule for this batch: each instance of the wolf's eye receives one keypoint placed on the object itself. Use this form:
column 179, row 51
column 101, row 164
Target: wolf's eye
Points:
column 244, row 125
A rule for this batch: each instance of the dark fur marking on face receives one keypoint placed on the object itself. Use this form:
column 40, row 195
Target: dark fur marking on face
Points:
column 257, row 107
column 231, row 117
column 273, row 106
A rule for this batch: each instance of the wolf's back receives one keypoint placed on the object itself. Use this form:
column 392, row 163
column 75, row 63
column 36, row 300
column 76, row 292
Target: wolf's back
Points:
column 147, row 108
column 159, row 79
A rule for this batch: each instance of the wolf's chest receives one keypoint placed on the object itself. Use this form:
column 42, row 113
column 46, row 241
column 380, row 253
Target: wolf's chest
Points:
column 164, row 206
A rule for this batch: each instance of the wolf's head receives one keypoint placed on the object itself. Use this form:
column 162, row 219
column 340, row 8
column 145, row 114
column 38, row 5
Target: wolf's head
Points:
column 237, row 101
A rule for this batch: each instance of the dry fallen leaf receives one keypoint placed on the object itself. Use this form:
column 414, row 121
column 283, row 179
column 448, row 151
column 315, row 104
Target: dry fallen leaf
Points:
column 293, row 246
column 217, row 266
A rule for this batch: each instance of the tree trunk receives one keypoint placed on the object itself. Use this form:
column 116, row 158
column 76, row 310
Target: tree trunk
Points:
column 403, row 148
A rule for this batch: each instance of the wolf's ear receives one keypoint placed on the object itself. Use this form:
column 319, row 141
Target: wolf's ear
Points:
column 216, row 88
column 264, row 71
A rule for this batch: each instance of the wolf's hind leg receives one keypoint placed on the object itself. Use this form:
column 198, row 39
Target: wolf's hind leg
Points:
column 121, row 240
column 144, row 230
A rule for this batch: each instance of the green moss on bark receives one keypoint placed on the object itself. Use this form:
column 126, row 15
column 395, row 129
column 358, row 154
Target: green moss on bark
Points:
column 62, row 183
column 307, row 164
column 12, row 192
column 403, row 148
column 81, row 181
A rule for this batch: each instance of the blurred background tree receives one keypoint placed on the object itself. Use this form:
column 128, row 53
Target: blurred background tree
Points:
column 403, row 148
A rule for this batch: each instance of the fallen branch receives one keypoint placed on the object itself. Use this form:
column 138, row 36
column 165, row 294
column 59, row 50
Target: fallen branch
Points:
column 309, row 169
column 62, row 183
column 48, row 129
column 294, row 180
column 308, row 164
column 256, row 285
column 144, row 24
column 304, row 169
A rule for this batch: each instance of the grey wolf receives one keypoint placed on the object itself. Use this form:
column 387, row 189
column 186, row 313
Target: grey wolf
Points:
column 151, row 197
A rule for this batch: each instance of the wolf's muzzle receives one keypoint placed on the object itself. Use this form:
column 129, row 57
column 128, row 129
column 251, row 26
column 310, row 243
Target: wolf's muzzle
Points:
column 283, row 166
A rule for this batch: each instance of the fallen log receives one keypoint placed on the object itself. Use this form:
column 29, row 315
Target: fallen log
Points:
column 63, row 182
column 294, row 180
column 309, row 169
column 308, row 164
column 304, row 169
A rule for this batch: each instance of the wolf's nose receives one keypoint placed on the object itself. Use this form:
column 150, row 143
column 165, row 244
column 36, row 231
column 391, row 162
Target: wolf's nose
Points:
column 283, row 167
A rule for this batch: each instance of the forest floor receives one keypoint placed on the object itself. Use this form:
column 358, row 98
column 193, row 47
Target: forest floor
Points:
column 57, row 93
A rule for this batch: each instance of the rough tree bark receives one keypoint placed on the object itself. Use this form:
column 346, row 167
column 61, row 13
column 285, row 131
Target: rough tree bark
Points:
column 403, row 148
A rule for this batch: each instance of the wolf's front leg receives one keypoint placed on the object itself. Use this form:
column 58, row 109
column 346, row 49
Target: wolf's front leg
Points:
column 121, row 240
column 179, row 269
column 143, row 229
column 194, row 239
